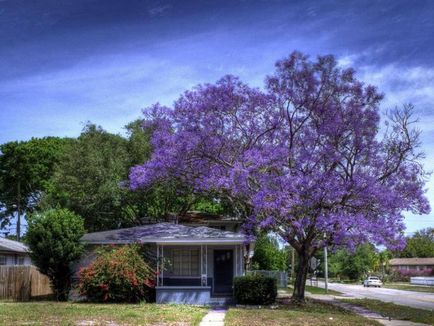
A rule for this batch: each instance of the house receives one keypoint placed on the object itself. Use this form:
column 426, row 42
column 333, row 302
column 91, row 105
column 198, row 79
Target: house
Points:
column 195, row 264
column 412, row 264
column 13, row 253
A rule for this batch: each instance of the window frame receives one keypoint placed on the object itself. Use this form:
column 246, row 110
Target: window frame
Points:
column 185, row 262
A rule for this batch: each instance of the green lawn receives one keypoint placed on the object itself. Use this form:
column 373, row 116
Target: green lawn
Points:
column 313, row 290
column 409, row 287
column 318, row 290
column 394, row 311
column 313, row 313
column 56, row 313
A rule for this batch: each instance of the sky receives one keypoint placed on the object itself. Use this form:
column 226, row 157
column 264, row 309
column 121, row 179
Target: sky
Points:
column 66, row 62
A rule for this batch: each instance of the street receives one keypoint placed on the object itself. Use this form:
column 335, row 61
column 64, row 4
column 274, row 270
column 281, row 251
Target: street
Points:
column 413, row 299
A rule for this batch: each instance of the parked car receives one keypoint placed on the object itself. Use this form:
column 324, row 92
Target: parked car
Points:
column 372, row 281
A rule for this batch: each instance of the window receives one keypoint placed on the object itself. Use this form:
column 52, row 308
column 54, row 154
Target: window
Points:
column 21, row 260
column 186, row 262
column 2, row 260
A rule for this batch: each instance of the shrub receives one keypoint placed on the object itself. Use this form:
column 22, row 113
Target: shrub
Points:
column 403, row 275
column 118, row 275
column 255, row 289
column 54, row 241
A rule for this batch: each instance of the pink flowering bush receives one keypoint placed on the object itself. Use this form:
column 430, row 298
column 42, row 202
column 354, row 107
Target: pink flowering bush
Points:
column 404, row 275
column 118, row 275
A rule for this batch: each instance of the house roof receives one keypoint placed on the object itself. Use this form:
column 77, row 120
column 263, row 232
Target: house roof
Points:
column 163, row 233
column 194, row 218
column 411, row 261
column 12, row 246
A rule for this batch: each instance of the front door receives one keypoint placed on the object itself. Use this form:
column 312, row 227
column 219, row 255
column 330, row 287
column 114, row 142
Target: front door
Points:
column 223, row 271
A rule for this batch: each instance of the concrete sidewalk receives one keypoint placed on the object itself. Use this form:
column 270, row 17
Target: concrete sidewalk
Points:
column 215, row 317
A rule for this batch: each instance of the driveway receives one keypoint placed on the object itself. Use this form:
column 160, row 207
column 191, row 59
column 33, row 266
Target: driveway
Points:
column 406, row 298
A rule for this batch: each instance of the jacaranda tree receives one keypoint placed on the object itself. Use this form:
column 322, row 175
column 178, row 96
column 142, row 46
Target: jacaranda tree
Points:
column 305, row 157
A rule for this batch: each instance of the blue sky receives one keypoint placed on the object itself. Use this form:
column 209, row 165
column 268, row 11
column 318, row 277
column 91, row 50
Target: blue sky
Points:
column 65, row 62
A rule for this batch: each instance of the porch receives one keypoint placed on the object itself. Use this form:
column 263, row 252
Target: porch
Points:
column 198, row 273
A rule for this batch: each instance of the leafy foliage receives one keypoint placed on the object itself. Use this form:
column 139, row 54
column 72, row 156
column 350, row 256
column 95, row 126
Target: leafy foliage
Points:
column 53, row 237
column 118, row 275
column 87, row 180
column 303, row 157
column 90, row 180
column 354, row 265
column 421, row 245
column 268, row 255
column 25, row 171
column 255, row 289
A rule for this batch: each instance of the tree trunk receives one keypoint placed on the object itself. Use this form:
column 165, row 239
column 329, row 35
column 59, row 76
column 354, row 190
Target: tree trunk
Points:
column 300, row 279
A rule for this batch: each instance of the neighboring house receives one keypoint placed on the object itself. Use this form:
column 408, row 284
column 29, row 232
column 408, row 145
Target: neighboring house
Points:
column 413, row 264
column 13, row 253
column 195, row 265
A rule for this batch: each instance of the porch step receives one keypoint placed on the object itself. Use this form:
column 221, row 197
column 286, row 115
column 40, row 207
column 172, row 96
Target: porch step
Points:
column 221, row 301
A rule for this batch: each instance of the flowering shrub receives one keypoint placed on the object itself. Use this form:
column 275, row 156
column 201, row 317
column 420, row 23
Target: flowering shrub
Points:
column 404, row 275
column 118, row 275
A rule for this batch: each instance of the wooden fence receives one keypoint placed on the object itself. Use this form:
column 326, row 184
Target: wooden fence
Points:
column 22, row 283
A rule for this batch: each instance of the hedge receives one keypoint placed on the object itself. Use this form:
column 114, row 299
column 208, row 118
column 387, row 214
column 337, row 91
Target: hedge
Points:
column 255, row 289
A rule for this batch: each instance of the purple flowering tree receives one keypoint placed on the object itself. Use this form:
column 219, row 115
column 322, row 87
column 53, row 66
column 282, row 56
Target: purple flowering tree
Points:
column 305, row 157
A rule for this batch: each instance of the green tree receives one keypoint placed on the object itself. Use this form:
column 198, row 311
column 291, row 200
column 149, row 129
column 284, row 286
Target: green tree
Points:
column 54, row 241
column 353, row 265
column 88, row 180
column 26, row 168
column 421, row 245
column 268, row 255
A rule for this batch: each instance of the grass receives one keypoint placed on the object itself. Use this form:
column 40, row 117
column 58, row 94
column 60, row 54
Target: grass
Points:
column 318, row 290
column 313, row 313
column 312, row 290
column 66, row 313
column 394, row 311
column 409, row 287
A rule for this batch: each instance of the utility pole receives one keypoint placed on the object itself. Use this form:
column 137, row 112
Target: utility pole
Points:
column 19, row 210
column 292, row 263
column 326, row 268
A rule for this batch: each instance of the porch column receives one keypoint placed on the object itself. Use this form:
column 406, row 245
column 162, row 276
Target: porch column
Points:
column 162, row 265
column 203, row 265
column 158, row 264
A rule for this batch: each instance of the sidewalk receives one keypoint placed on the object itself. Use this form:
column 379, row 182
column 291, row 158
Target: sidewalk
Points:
column 214, row 318
column 361, row 311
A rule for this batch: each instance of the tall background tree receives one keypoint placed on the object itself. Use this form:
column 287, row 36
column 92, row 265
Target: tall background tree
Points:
column 303, row 158
column 89, row 180
column 25, row 171
column 421, row 245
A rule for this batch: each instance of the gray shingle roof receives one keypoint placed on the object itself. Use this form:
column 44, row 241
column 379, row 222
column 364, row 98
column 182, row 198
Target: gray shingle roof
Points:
column 164, row 233
column 12, row 246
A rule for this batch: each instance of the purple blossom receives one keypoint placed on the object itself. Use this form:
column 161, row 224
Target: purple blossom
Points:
column 305, row 154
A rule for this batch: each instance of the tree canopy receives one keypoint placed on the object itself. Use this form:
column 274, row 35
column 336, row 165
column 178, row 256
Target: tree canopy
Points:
column 26, row 168
column 304, row 157
column 90, row 180
column 421, row 245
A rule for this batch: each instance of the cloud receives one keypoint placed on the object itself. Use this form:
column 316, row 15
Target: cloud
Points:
column 159, row 10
